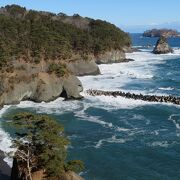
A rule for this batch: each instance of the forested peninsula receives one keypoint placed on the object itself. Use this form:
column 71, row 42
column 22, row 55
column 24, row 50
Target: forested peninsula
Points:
column 41, row 53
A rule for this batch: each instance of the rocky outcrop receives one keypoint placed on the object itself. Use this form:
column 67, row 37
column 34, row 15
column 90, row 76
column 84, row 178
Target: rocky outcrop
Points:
column 112, row 57
column 162, row 46
column 40, row 86
column 83, row 67
column 90, row 67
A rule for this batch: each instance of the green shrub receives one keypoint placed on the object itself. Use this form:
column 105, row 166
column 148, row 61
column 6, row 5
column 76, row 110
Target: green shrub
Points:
column 59, row 69
column 39, row 149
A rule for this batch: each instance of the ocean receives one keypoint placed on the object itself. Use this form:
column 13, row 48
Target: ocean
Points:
column 119, row 138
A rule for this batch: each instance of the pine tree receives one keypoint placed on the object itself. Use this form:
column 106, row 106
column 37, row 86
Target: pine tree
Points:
column 41, row 145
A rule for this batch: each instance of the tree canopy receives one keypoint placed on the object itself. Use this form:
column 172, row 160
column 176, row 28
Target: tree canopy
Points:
column 33, row 35
column 41, row 145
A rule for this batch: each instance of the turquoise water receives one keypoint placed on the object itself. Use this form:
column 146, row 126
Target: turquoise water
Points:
column 120, row 138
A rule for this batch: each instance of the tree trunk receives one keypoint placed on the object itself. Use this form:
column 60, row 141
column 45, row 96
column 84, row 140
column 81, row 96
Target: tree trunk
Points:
column 28, row 166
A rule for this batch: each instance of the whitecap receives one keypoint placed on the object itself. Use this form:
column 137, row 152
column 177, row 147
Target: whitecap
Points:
column 164, row 144
column 5, row 140
column 120, row 129
column 137, row 117
column 166, row 88
column 99, row 143
column 175, row 118
column 59, row 106
column 112, row 139
column 111, row 103
column 156, row 132
column 81, row 114
column 176, row 50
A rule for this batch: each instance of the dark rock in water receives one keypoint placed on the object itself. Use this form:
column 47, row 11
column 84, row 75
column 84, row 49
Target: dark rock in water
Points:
column 162, row 46
column 150, row 98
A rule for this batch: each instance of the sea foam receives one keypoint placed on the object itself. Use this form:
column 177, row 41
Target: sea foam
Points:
column 166, row 88
column 5, row 139
column 116, row 76
column 113, row 77
column 112, row 139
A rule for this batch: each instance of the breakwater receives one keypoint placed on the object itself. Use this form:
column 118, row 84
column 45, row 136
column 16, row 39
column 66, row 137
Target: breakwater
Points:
column 149, row 98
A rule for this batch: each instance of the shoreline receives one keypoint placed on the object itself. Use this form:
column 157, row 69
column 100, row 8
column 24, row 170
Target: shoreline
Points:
column 5, row 170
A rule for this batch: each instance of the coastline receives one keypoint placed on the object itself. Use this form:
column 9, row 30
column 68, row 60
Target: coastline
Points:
column 7, row 177
column 5, row 170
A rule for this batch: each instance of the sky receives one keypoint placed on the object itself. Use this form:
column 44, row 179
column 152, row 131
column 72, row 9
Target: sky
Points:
column 130, row 15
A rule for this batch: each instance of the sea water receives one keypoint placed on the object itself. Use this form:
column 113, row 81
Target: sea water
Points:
column 119, row 138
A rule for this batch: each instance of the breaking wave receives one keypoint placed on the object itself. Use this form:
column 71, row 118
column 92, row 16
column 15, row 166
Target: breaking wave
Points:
column 5, row 140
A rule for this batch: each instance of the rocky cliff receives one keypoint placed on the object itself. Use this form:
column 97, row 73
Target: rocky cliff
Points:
column 162, row 46
column 112, row 56
column 35, row 83
column 42, row 52
column 82, row 68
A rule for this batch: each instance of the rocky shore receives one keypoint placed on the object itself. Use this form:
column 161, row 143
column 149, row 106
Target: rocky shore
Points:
column 37, row 82
column 46, row 67
column 149, row 98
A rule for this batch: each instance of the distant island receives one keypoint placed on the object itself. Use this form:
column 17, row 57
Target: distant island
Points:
column 161, row 32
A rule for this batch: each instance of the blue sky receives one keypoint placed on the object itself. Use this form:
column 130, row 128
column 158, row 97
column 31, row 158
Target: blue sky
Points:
column 123, row 13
